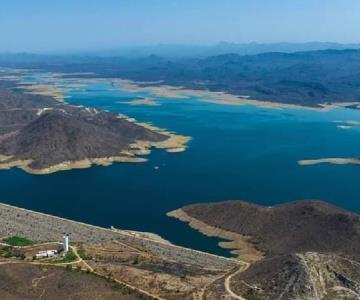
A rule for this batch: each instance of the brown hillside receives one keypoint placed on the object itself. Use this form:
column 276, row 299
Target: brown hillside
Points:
column 287, row 228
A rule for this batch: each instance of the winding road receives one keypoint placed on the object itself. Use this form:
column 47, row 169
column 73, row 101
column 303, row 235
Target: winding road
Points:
column 227, row 281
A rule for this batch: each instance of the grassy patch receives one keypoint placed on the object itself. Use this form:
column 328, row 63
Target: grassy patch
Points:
column 6, row 252
column 68, row 258
column 18, row 241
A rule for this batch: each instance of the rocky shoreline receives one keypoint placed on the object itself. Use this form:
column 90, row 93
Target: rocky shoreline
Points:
column 237, row 243
column 56, row 136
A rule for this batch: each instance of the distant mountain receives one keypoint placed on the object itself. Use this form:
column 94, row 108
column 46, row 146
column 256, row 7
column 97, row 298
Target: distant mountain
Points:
column 180, row 51
column 193, row 51
column 308, row 78
column 257, row 48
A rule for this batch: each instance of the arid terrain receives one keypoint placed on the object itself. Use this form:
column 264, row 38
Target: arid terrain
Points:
column 42, row 135
column 139, row 263
column 27, row 281
column 123, row 122
column 128, row 265
column 297, row 250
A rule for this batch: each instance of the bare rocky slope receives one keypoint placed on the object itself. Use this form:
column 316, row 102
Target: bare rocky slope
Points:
column 308, row 275
column 41, row 135
column 18, row 109
column 311, row 249
column 73, row 134
column 286, row 228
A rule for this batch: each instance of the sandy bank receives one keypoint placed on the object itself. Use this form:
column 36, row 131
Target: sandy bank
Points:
column 49, row 90
column 217, row 97
column 67, row 165
column 145, row 101
column 174, row 144
column 239, row 244
column 335, row 161
column 49, row 87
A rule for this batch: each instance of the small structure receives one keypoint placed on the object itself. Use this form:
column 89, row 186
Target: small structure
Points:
column 46, row 254
column 66, row 243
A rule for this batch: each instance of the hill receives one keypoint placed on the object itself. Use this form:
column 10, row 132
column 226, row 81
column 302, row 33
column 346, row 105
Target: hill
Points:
column 299, row 276
column 308, row 78
column 41, row 135
column 297, row 250
column 293, row 227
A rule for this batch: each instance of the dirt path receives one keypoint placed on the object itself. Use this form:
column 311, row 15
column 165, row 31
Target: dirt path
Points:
column 35, row 282
column 227, row 282
column 99, row 274
column 201, row 293
column 77, row 261
column 80, row 260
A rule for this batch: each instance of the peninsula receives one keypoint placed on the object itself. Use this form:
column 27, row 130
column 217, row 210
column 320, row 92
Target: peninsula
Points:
column 41, row 135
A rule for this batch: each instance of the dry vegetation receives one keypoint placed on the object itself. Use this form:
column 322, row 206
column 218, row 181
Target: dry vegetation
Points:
column 26, row 281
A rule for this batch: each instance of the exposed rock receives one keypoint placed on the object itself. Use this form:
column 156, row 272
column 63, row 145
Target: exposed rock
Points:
column 286, row 228
column 41, row 135
column 307, row 275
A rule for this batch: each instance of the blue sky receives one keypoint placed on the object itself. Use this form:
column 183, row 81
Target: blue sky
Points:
column 43, row 25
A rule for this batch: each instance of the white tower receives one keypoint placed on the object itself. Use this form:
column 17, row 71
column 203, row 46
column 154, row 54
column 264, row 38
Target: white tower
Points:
column 66, row 243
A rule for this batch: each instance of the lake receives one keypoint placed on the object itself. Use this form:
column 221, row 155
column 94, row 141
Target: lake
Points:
column 236, row 152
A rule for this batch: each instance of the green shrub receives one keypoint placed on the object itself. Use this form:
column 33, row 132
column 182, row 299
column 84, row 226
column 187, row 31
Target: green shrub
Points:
column 18, row 241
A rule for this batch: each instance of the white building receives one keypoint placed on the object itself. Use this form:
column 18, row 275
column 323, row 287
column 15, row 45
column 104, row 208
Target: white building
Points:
column 46, row 254
column 66, row 243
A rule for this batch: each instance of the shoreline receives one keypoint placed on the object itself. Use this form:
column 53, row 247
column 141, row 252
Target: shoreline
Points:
column 26, row 223
column 224, row 98
column 334, row 161
column 50, row 88
column 173, row 144
column 67, row 165
column 238, row 244
column 43, row 89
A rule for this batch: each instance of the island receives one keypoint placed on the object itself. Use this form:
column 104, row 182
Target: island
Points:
column 334, row 161
column 42, row 135
column 296, row 250
column 143, row 101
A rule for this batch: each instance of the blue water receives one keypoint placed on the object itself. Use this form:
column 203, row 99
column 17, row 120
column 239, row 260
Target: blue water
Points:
column 237, row 152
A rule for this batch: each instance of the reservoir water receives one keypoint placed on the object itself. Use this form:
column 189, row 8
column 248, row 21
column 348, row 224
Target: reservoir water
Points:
column 237, row 152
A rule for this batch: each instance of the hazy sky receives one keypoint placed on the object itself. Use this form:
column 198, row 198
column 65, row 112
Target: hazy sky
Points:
column 42, row 25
